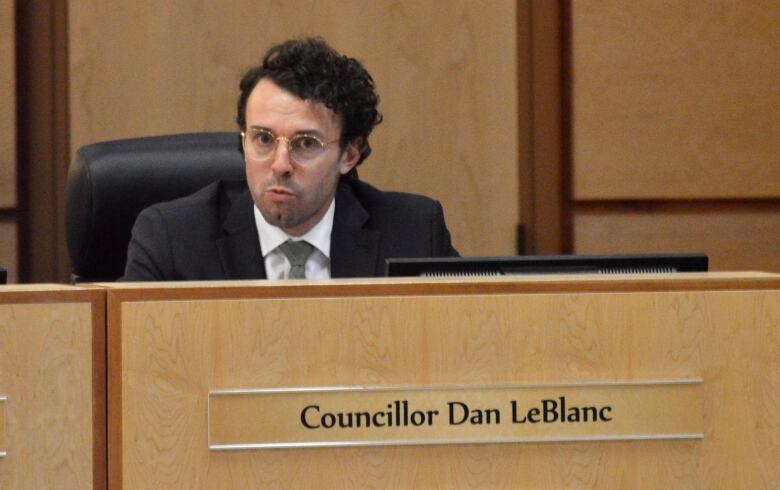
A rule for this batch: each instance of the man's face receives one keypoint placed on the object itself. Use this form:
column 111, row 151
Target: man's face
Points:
column 291, row 195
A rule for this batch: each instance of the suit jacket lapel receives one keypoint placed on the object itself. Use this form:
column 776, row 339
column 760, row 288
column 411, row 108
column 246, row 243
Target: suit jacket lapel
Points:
column 239, row 249
column 353, row 249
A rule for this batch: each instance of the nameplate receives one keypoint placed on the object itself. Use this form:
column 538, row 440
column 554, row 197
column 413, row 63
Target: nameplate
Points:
column 326, row 417
column 2, row 427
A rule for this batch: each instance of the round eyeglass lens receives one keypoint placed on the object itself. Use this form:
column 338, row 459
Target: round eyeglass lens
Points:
column 262, row 143
column 305, row 148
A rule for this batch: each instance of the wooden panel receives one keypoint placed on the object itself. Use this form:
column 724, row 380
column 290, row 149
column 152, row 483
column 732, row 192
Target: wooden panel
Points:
column 444, row 134
column 547, row 185
column 676, row 99
column 7, row 106
column 46, row 373
column 172, row 353
column 541, row 283
column 8, row 249
column 42, row 102
column 734, row 239
column 8, row 227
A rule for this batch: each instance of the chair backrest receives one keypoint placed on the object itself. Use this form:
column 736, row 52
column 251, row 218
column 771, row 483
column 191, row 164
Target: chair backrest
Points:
column 110, row 183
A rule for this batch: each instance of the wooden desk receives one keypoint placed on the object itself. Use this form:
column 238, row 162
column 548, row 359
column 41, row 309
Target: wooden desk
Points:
column 52, row 375
column 170, row 344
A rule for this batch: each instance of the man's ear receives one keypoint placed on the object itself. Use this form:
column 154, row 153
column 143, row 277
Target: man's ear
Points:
column 350, row 156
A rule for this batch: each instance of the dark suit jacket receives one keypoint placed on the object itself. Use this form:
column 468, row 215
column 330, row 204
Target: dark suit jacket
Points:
column 212, row 234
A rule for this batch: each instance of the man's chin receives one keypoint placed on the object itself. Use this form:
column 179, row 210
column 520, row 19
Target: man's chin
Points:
column 280, row 219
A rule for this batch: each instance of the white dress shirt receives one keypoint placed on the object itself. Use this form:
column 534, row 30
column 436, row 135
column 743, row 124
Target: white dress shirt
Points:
column 276, row 264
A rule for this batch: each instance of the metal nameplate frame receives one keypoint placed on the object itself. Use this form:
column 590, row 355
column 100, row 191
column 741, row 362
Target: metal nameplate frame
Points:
column 3, row 451
column 269, row 418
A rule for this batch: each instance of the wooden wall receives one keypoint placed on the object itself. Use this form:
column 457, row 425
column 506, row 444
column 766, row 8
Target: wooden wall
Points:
column 675, row 129
column 42, row 142
column 8, row 194
column 579, row 118
column 447, row 78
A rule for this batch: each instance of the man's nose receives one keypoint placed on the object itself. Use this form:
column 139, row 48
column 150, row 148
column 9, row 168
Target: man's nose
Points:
column 281, row 163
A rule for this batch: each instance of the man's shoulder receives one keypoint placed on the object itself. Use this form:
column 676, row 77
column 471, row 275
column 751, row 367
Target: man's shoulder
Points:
column 176, row 239
column 410, row 225
column 200, row 213
column 372, row 198
column 212, row 197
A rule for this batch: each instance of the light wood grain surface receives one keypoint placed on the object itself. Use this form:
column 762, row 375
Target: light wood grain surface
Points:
column 447, row 78
column 734, row 239
column 46, row 366
column 531, row 284
column 676, row 99
column 7, row 106
column 173, row 352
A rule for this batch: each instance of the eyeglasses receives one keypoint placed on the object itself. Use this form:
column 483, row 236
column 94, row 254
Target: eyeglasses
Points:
column 260, row 145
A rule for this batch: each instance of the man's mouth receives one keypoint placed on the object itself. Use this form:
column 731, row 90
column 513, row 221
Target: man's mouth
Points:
column 277, row 193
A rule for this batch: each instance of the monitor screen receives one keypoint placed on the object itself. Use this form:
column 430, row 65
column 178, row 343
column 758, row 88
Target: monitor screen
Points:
column 3, row 276
column 546, row 264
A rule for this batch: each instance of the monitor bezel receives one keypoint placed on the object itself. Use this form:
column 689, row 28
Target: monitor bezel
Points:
column 547, row 264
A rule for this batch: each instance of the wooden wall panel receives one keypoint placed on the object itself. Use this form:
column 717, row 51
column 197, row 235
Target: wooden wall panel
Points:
column 168, row 350
column 8, row 229
column 45, row 372
column 735, row 238
column 8, row 248
column 543, row 188
column 676, row 99
column 42, row 151
column 7, row 106
column 447, row 78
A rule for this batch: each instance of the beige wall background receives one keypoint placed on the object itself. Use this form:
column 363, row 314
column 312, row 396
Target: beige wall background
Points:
column 8, row 226
column 675, row 128
column 446, row 75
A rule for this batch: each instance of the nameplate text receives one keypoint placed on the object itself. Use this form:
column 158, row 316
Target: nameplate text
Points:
column 317, row 417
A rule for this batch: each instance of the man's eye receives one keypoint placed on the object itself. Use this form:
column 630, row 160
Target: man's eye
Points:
column 265, row 138
column 307, row 143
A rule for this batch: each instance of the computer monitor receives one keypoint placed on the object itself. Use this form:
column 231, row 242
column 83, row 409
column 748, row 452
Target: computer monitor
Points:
column 3, row 276
column 546, row 264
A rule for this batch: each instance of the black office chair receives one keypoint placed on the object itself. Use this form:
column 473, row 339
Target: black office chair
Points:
column 110, row 183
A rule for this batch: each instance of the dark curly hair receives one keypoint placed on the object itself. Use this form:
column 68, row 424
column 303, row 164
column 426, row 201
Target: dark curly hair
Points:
column 311, row 70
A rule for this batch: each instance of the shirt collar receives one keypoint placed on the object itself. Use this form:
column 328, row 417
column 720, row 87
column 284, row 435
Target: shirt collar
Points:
column 272, row 236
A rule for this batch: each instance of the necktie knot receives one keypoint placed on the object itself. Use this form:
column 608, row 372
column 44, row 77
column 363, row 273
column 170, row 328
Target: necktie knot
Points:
column 297, row 252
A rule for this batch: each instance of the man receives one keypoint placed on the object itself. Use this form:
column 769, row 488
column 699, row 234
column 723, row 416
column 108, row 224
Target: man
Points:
column 305, row 115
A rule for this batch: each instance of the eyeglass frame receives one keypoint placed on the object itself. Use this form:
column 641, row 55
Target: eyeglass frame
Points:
column 323, row 144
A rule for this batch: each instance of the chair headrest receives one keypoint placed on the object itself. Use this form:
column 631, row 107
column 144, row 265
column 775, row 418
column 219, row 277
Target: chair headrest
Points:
column 110, row 183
